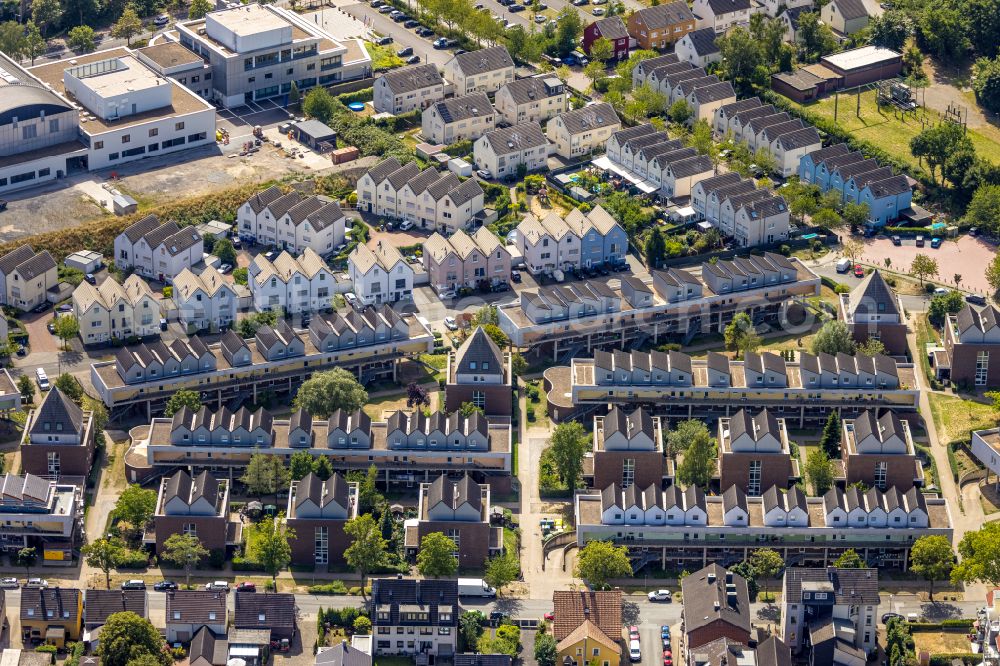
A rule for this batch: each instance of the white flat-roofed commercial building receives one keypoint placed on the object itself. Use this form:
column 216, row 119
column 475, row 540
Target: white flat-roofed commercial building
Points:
column 258, row 51
column 128, row 110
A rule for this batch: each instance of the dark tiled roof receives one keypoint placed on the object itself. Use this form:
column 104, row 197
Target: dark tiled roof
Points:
column 99, row 604
column 727, row 6
column 57, row 414
column 36, row 265
column 773, row 652
column 474, row 105
column 212, row 647
column 62, row 602
column 260, row 201
column 806, row 136
column 479, row 348
column 264, row 611
column 476, row 659
column 690, row 166
column 343, row 654
column 12, row 259
column 139, row 229
column 706, row 599
column 535, row 88
column 714, row 92
column 473, row 63
column 381, row 171
column 851, row 586
column 851, row 9
column 516, row 138
column 589, row 118
column 455, row 493
column 873, row 296
column 196, row 607
column 432, row 595
column 611, row 28
column 663, row 16
column 704, row 44
column 889, row 186
column 322, row 493
column 467, row 191
column 408, row 79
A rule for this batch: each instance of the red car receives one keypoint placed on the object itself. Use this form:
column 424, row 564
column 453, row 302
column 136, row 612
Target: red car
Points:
column 246, row 586
column 668, row 659
column 859, row 271
column 633, row 633
column 550, row 616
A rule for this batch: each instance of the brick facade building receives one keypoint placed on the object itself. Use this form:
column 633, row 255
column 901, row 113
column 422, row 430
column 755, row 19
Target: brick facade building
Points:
column 58, row 440
column 873, row 310
column 480, row 373
column 317, row 512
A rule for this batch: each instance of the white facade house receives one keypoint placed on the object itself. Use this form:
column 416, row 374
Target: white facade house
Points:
column 534, row 99
column 502, row 152
column 578, row 133
column 428, row 198
column 485, row 70
column 26, row 277
column 699, row 48
column 408, row 88
column 294, row 285
column 832, row 609
column 721, row 15
column 292, row 222
column 205, row 301
column 380, row 274
column 113, row 311
column 158, row 251
column 554, row 243
column 448, row 121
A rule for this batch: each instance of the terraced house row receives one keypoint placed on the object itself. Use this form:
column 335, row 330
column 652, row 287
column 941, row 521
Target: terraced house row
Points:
column 679, row 80
column 580, row 240
column 764, row 128
column 657, row 162
column 279, row 359
column 292, row 221
column 741, row 210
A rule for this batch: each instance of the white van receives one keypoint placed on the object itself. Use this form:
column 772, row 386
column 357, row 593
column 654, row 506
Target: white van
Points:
column 844, row 265
column 42, row 379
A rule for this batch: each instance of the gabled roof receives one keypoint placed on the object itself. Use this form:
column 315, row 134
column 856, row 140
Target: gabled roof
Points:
column 590, row 631
column 479, row 348
column 572, row 608
column 264, row 611
column 805, row 136
column 190, row 490
column 63, row 602
column 611, row 27
column 703, row 42
column 408, row 79
column 851, row 9
column 589, row 118
column 516, row 138
column 136, row 230
column 706, row 599
column 473, row 105
column 455, row 494
column 873, row 296
column 473, row 63
column 381, row 171
column 822, row 154
column 690, row 166
column 850, row 586
column 260, row 201
column 57, row 413
column 535, row 88
column 321, row 493
column 733, row 108
column 889, row 186
column 773, row 651
column 663, row 16
column 344, row 654
column 468, row 190
column 719, row 7
column 196, row 607
column 99, row 604
column 36, row 265
column 211, row 647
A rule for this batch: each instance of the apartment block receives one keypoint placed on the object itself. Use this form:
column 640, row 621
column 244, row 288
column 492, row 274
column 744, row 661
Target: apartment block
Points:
column 531, row 100
column 485, row 70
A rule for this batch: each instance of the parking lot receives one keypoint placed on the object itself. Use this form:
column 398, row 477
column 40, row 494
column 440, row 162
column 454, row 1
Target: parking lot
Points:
column 240, row 121
column 966, row 256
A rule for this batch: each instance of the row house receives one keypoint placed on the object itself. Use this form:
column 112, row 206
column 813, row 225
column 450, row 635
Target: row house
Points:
column 877, row 450
column 739, row 116
column 158, row 251
column 699, row 48
column 40, row 513
column 858, row 180
column 704, row 96
column 845, row 371
column 812, row 161
column 460, row 509
column 291, row 285
column 380, row 274
column 611, row 29
column 26, row 277
column 510, row 150
column 656, row 28
column 788, row 149
column 377, row 325
column 247, row 428
column 113, row 311
column 663, row 76
column 616, row 142
column 99, row 605
column 279, row 342
column 195, row 505
column 407, row 89
column 721, row 15
column 531, row 100
column 464, row 261
column 189, row 612
column 745, row 442
column 971, row 338
column 642, row 69
column 206, row 301
column 464, row 118
column 578, row 240
column 58, row 439
column 672, row 368
column 680, row 175
column 416, row 430
column 831, row 613
column 577, row 133
column 574, row 301
column 317, row 512
column 158, row 360
column 880, row 526
column 627, row 450
column 764, row 221
column 411, row 617
column 480, row 373
column 428, row 198
column 53, row 616
column 750, row 272
column 486, row 70
column 292, row 221
column 873, row 310
column 675, row 285
column 725, row 113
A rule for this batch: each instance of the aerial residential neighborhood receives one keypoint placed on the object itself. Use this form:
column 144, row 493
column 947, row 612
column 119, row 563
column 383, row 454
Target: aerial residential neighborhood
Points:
column 564, row 333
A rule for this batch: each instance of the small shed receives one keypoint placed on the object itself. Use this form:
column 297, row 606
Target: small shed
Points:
column 342, row 155
column 214, row 228
column 85, row 261
column 315, row 134
column 460, row 167
column 124, row 204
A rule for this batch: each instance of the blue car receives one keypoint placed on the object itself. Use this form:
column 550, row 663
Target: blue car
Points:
column 935, row 243
column 570, row 59
column 664, row 631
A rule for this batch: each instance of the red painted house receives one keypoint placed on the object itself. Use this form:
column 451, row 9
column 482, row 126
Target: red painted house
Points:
column 612, row 29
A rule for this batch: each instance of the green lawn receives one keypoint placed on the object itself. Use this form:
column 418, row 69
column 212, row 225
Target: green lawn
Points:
column 383, row 57
column 955, row 418
column 892, row 133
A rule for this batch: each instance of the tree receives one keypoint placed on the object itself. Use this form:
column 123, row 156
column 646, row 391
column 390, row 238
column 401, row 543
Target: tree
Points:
column 986, row 83
column 984, row 210
column 199, row 8
column 932, row 559
column 182, row 398
column 247, row 327
column 82, row 39
column 924, row 267
column 742, row 58
column 698, row 464
column 467, row 409
column 600, row 561
column 834, row 337
column 545, row 649
column 740, row 335
column 701, row 138
column 819, row 471
column 601, row 50
column 852, row 249
column 815, row 36
column 319, row 104
column 135, row 506
column 368, row 549
column 685, row 435
column 326, row 392
column 745, row 569
column 241, row 275
column 66, row 327
column 322, row 467
column 856, row 215
column 225, row 251
column 70, row 386
column 767, row 563
column 436, row 556
column 126, row 637
column 943, row 305
column 362, row 625
column 497, row 335
column 942, row 31
column 594, row 71
column 501, row 571
column 265, row 475
column 104, row 554
column 871, row 347
column 184, row 551
column 26, row 388
column 300, row 464
column 850, row 560
column 655, row 248
column 827, row 218
column 939, row 142
column 34, row 43
column 46, row 13
column 980, row 556
column 890, row 30
column 992, row 278
column 127, row 26
column 470, row 628
column 569, row 28
column 983, row 20
column 417, row 396
column 568, row 445
column 829, row 441
column 12, row 39
column 26, row 557
column 270, row 545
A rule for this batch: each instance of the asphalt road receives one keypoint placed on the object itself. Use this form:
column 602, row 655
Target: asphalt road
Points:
column 401, row 36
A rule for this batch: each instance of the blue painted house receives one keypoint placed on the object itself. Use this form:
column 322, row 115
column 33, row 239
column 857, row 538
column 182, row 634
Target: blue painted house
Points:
column 809, row 161
column 885, row 198
column 824, row 170
column 602, row 239
column 857, row 182
column 842, row 174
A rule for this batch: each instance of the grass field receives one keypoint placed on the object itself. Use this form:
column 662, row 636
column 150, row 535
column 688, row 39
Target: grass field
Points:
column 892, row 133
column 941, row 642
column 955, row 418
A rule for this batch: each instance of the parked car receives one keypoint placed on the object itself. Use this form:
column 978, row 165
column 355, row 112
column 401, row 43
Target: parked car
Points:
column 975, row 299
column 540, row 18
column 550, row 616
column 500, row 286
column 217, row 586
column 246, row 586
column 384, row 41
column 51, row 326
column 659, row 595
column 405, row 225
column 406, row 51
column 411, row 23
column 352, row 300
column 9, row 583
column 376, row 3
column 42, row 307
column 941, row 291
column 598, row 11
column 515, row 276
column 161, row 20
column 423, row 32
column 936, row 243
column 888, row 616
column 896, row 240
column 633, row 633
column 859, row 270
column 450, row 323
column 400, row 18
column 385, row 9
column 36, row 584
column 665, row 631
column 225, row 268
column 89, row 277
column 920, row 241
column 134, row 585
column 516, row 8
column 440, row 43
column 413, row 60
column 42, row 379
column 394, row 13
column 164, row 585
column 485, row 174
column 634, row 651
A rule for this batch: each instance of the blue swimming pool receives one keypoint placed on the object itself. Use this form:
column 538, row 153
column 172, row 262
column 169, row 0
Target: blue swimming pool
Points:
column 356, row 106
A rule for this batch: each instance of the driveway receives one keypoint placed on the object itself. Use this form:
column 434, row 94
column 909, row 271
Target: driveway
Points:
column 967, row 257
column 38, row 335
